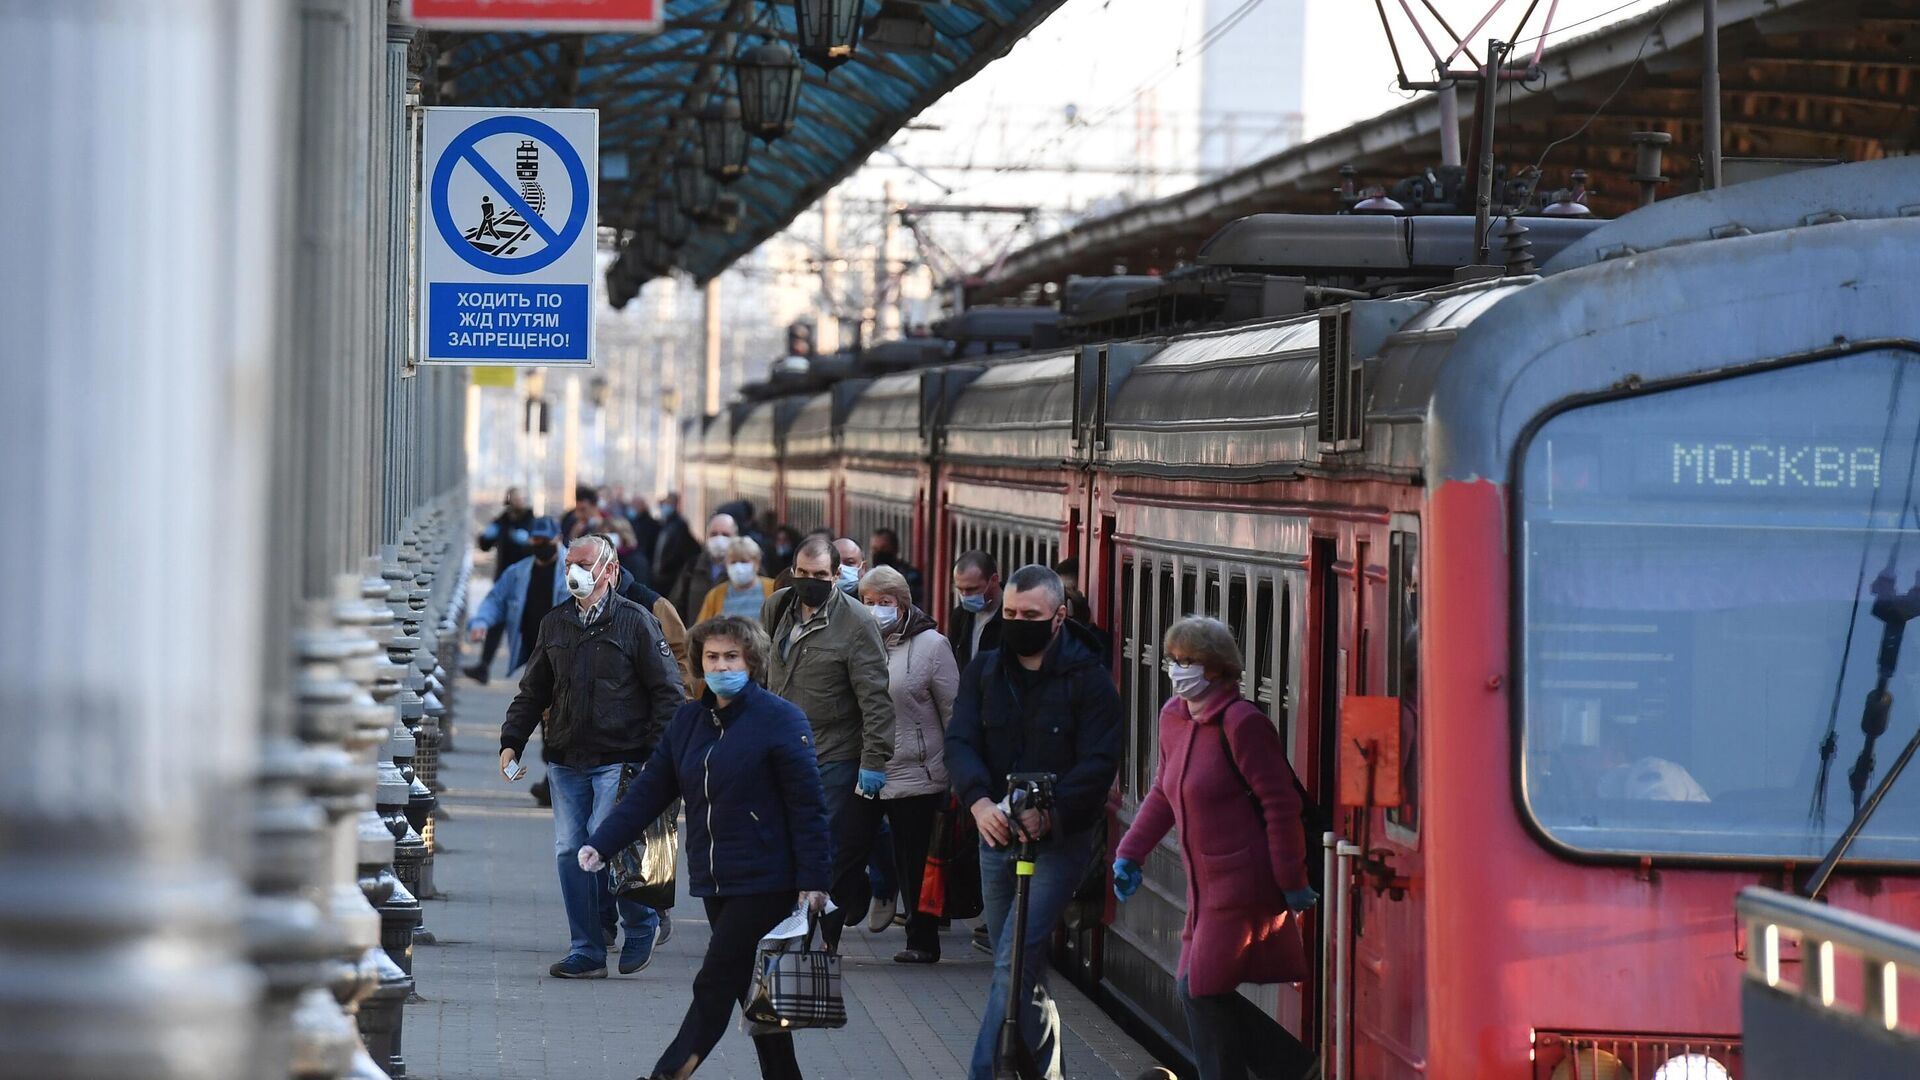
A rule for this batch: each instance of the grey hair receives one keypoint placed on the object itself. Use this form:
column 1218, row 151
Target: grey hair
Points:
column 887, row 581
column 744, row 546
column 1207, row 641
column 607, row 551
column 1034, row 576
column 742, row 631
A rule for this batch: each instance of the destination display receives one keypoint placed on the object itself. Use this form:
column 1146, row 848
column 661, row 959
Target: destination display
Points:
column 1835, row 439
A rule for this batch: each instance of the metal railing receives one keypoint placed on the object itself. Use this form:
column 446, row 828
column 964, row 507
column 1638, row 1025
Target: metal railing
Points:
column 1811, row 1027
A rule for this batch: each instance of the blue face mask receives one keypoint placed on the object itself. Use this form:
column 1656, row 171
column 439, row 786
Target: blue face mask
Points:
column 849, row 578
column 726, row 683
column 975, row 603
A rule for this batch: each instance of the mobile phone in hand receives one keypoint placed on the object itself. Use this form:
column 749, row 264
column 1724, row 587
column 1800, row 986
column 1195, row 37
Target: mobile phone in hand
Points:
column 514, row 769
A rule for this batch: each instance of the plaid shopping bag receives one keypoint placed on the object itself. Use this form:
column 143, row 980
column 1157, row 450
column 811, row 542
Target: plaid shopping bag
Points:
column 795, row 986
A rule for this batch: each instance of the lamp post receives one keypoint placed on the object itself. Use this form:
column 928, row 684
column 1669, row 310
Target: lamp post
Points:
column 723, row 141
column 829, row 30
column 769, row 81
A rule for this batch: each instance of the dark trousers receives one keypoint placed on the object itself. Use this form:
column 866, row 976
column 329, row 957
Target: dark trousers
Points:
column 1229, row 1036
column 726, row 974
column 492, row 644
column 911, row 819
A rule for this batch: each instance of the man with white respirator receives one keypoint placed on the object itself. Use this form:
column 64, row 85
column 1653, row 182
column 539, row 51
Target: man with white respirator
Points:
column 602, row 684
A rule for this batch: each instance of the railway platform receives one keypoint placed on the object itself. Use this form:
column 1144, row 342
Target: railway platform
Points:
column 491, row 1012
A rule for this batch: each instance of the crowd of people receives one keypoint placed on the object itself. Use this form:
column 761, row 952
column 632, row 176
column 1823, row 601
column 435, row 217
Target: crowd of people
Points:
column 822, row 733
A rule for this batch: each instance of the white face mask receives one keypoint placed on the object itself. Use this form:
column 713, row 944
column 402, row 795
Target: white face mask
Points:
column 717, row 547
column 884, row 614
column 580, row 579
column 1189, row 680
column 740, row 573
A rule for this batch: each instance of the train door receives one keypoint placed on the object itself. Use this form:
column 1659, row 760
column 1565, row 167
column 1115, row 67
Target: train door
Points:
column 1387, row 975
column 1318, row 774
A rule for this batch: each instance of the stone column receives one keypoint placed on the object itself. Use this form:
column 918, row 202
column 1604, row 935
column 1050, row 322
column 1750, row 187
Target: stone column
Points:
column 139, row 299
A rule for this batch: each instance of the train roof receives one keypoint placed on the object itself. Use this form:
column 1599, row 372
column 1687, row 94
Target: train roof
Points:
column 1017, row 412
column 817, row 425
column 1888, row 188
column 886, row 421
column 760, row 434
column 1247, row 402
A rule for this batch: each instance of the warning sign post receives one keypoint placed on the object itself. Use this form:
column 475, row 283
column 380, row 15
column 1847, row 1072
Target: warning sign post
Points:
column 507, row 236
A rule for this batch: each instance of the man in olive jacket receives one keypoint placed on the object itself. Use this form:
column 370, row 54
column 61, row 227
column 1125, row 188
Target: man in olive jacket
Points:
column 828, row 659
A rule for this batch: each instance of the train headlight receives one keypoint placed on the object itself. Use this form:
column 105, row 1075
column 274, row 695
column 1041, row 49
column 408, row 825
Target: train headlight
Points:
column 1692, row 1067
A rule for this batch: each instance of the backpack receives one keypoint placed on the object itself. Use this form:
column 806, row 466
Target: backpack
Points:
column 1315, row 820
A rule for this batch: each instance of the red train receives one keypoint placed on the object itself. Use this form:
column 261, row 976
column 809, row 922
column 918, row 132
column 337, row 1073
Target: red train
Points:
column 1560, row 586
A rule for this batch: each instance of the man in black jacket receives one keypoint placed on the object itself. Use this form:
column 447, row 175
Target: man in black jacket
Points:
column 602, row 683
column 1042, row 702
column 973, row 626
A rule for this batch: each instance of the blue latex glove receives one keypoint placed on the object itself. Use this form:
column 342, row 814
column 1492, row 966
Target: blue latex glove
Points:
column 522, row 537
column 491, row 532
column 1126, row 878
column 1301, row 899
column 871, row 781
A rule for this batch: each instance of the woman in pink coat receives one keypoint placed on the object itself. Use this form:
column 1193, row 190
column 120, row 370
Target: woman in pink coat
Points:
column 1224, row 782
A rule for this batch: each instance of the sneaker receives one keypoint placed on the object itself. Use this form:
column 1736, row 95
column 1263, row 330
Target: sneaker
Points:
column 916, row 956
column 666, row 930
column 579, row 967
column 638, row 952
column 981, row 942
column 880, row 915
column 476, row 672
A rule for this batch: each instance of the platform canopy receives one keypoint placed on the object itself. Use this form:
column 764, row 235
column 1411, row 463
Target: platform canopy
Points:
column 650, row 89
column 1800, row 79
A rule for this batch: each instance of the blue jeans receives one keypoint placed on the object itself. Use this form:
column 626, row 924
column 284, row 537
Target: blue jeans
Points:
column 582, row 799
column 1058, row 865
column 837, row 779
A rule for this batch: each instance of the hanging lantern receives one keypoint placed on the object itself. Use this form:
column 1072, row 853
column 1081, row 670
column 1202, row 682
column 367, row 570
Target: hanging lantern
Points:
column 669, row 224
column 769, row 80
column 723, row 142
column 828, row 30
column 693, row 190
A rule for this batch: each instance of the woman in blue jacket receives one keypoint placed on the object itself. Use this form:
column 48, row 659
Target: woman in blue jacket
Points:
column 757, row 837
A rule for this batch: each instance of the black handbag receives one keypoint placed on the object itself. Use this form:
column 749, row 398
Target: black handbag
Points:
column 643, row 871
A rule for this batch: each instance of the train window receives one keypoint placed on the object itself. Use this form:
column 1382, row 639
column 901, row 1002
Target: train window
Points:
column 1265, row 649
column 1707, row 580
column 1236, row 620
column 1403, row 668
column 1130, row 654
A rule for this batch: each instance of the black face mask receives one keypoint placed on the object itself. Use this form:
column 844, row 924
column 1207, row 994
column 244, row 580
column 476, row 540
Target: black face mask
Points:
column 812, row 591
column 542, row 553
column 1026, row 637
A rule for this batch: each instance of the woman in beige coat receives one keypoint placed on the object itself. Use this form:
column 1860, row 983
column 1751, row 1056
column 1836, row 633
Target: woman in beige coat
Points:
column 922, row 680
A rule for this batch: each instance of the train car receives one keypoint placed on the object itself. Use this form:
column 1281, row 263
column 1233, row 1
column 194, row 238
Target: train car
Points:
column 759, row 445
column 1571, row 594
column 814, row 481
column 1009, row 483
column 885, row 466
column 1647, row 496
